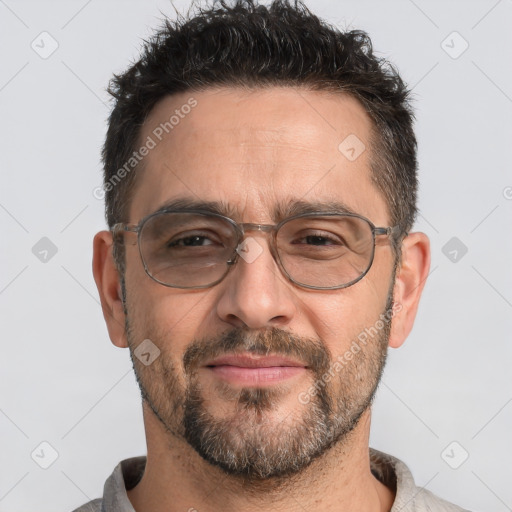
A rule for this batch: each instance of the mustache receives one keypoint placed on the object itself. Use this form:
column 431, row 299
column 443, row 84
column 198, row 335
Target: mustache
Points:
column 274, row 341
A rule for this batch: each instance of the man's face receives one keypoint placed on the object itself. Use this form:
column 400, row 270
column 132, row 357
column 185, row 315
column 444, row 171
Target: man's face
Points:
column 252, row 152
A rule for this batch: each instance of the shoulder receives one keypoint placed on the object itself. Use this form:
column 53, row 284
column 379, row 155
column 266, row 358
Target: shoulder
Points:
column 92, row 506
column 426, row 501
column 126, row 475
column 395, row 474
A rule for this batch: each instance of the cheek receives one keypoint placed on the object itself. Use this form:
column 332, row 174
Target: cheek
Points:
column 339, row 317
column 169, row 317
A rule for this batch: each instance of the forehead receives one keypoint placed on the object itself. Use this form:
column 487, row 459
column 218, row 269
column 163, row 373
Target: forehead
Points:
column 254, row 149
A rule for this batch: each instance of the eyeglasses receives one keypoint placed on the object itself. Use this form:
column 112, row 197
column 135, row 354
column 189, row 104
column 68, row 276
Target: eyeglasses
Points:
column 196, row 249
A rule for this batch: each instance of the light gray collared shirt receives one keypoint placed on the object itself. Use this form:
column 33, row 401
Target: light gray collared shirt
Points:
column 390, row 471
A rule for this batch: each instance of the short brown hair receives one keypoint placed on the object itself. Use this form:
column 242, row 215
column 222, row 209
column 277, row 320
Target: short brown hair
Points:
column 242, row 43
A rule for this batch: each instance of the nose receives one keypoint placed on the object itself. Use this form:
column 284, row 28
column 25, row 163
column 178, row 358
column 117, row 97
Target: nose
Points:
column 255, row 294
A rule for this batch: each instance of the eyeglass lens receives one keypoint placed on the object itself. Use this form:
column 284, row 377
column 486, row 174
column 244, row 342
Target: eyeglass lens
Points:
column 192, row 250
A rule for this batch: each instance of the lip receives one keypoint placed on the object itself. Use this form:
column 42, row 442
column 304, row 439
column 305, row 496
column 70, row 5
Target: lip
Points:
column 255, row 371
column 254, row 361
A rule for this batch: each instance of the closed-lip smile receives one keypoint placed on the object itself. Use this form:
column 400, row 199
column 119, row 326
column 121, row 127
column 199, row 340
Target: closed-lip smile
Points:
column 254, row 361
column 254, row 370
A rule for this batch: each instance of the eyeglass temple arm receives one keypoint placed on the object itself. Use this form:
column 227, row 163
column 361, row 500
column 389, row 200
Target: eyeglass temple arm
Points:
column 118, row 228
column 393, row 231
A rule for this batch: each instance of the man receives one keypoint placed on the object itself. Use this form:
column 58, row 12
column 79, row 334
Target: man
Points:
column 260, row 178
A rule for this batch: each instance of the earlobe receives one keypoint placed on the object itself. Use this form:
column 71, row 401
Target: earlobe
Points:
column 410, row 280
column 108, row 283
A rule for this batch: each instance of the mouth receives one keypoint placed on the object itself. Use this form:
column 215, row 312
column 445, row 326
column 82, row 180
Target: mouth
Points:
column 252, row 370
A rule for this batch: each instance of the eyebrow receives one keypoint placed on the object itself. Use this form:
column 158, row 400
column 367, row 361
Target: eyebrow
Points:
column 299, row 206
column 282, row 210
column 189, row 204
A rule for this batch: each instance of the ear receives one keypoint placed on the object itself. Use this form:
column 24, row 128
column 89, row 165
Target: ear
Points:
column 108, row 282
column 410, row 280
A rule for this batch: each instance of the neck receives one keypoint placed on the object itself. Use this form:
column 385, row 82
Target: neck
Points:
column 176, row 478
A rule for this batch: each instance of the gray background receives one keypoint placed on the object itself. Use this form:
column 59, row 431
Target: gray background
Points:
column 63, row 383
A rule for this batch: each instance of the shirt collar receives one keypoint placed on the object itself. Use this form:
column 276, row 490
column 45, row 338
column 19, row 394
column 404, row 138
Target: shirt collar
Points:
column 392, row 472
